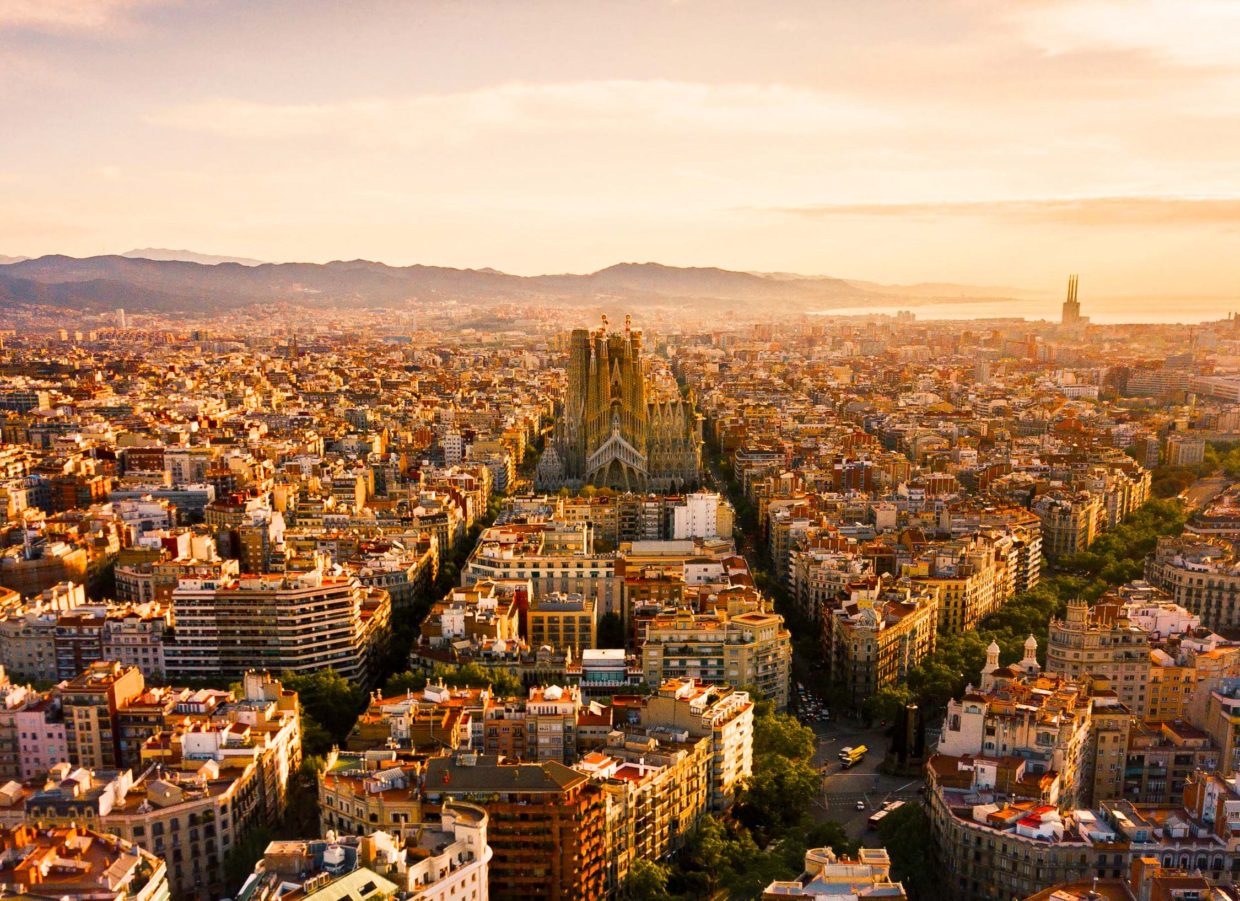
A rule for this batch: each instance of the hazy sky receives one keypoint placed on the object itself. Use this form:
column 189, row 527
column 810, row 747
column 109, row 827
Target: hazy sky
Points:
column 990, row 142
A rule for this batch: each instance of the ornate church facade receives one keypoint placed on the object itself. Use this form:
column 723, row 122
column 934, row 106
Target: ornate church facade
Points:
column 612, row 434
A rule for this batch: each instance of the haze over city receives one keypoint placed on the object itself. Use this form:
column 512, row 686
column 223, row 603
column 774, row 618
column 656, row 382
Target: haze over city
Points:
column 976, row 143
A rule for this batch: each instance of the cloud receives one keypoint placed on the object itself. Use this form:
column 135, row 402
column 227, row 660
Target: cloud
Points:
column 1094, row 211
column 587, row 106
column 66, row 15
column 1190, row 33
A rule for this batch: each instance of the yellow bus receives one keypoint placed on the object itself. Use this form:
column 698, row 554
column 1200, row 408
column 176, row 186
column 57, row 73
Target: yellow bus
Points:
column 851, row 756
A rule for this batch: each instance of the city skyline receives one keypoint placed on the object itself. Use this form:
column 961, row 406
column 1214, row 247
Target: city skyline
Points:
column 826, row 139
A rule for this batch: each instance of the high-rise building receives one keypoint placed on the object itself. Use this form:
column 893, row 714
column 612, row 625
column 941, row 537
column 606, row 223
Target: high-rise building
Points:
column 616, row 431
column 301, row 622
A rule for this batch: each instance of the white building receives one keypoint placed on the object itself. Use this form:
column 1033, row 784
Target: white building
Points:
column 698, row 517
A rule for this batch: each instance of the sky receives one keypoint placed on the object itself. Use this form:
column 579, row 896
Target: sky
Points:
column 900, row 141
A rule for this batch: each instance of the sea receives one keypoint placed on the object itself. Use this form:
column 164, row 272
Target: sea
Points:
column 1104, row 310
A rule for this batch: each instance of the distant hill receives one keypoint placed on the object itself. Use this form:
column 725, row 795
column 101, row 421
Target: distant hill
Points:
column 945, row 290
column 6, row 259
column 137, row 282
column 186, row 256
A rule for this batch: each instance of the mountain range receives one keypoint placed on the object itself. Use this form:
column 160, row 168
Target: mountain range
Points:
column 207, row 283
column 186, row 256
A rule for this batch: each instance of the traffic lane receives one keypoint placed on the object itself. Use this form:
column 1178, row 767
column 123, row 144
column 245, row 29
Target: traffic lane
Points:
column 842, row 809
column 833, row 736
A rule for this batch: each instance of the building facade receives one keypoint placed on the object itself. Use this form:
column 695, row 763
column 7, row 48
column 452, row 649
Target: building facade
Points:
column 615, row 432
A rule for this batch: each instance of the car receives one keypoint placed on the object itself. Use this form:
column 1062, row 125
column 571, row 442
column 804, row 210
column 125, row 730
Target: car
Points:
column 861, row 805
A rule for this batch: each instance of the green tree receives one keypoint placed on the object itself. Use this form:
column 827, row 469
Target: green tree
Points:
column 779, row 733
column 646, row 881
column 329, row 700
column 777, row 787
column 400, row 683
column 243, row 855
column 503, row 683
column 888, row 702
column 831, row 834
column 905, row 833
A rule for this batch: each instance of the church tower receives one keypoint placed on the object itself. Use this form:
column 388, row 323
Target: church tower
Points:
column 612, row 432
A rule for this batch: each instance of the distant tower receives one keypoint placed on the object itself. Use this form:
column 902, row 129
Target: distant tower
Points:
column 1071, row 306
column 120, row 318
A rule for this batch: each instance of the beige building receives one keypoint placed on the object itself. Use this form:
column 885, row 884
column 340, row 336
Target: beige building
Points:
column 656, row 791
column 725, row 714
column 562, row 622
column 302, row 622
column 1199, row 574
column 1069, row 523
column 91, row 704
column 554, row 557
column 973, row 576
column 873, row 639
column 868, row 875
column 72, row 862
column 1044, row 721
column 749, row 650
column 1101, row 642
column 446, row 860
column 370, row 791
column 202, row 786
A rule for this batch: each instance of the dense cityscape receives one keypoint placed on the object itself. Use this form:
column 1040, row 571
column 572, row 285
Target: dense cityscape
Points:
column 797, row 607
column 669, row 450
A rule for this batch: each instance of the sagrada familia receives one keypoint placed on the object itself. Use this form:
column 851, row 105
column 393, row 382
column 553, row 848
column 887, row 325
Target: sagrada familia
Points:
column 611, row 434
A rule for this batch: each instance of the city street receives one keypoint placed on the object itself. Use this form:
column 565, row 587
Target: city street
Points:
column 1201, row 492
column 863, row 782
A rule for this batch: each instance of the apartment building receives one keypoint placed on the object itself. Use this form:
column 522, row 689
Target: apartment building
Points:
column 1041, row 721
column 92, row 702
column 300, row 622
column 554, row 557
column 868, row 875
column 750, row 649
column 1102, row 642
column 879, row 633
column 1201, row 575
column 972, row 576
column 996, row 838
column 367, row 791
column 656, row 790
column 702, row 709
column 1070, row 523
column 72, row 862
column 1161, row 759
column 546, row 823
column 565, row 622
column 447, row 860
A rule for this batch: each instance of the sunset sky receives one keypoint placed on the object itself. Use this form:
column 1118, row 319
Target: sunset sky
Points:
column 1003, row 143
